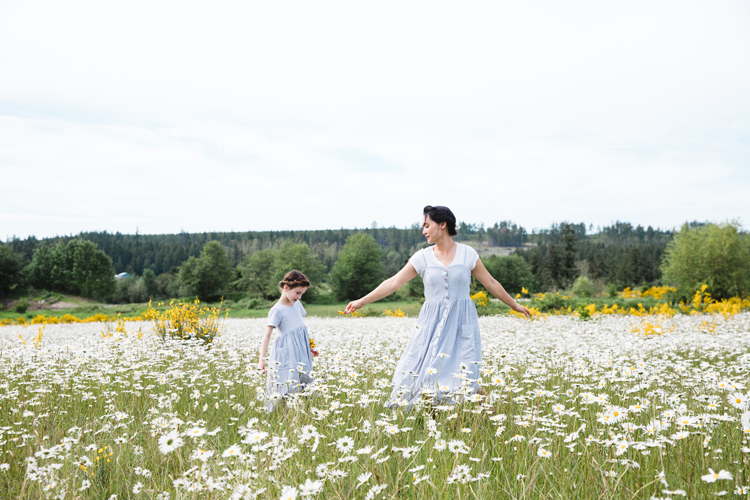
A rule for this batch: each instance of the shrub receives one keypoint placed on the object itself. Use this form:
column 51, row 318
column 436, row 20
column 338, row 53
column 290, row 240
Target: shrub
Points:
column 550, row 302
column 714, row 255
column 583, row 287
column 513, row 272
column 611, row 290
column 137, row 291
column 325, row 299
column 21, row 306
column 186, row 320
column 151, row 283
column 256, row 303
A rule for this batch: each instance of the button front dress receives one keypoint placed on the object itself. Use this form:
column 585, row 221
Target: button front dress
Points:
column 443, row 358
column 290, row 363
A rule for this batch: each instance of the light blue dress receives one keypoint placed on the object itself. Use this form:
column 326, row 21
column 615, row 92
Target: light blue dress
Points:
column 290, row 363
column 442, row 361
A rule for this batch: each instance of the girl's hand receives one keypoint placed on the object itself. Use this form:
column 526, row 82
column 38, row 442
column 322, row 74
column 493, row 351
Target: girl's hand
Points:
column 520, row 309
column 262, row 366
column 353, row 306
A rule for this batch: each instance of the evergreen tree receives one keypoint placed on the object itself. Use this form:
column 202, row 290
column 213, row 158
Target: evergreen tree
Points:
column 11, row 270
column 553, row 268
column 569, row 243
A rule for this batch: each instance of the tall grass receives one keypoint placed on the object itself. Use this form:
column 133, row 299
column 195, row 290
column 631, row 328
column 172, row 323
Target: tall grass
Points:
column 540, row 433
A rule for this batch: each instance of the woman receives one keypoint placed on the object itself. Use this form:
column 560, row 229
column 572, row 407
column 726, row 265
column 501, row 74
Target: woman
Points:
column 442, row 360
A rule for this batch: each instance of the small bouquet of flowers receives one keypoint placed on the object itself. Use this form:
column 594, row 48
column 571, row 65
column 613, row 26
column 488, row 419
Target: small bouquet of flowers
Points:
column 313, row 349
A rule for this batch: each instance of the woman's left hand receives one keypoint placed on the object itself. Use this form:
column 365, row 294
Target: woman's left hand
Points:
column 520, row 309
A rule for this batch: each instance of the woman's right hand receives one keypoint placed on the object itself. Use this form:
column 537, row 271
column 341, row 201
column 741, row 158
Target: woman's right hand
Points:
column 353, row 306
column 262, row 366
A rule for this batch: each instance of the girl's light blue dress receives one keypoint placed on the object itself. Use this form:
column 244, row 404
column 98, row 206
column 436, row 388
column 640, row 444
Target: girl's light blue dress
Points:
column 290, row 363
column 443, row 358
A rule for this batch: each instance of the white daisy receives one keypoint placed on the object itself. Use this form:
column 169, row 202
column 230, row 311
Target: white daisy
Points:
column 170, row 442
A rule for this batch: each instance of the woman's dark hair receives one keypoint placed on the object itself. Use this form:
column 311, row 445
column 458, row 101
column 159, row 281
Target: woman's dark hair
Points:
column 440, row 215
column 294, row 279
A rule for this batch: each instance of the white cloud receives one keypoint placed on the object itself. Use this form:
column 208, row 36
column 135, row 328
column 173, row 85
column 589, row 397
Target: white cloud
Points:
column 168, row 116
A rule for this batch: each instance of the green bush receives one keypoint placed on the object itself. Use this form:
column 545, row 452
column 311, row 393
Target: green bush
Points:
column 550, row 302
column 583, row 287
column 359, row 268
column 611, row 290
column 325, row 299
column 256, row 303
column 717, row 255
column 21, row 306
column 513, row 272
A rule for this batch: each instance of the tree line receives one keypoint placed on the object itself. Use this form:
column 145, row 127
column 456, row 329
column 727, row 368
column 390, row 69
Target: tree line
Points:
column 343, row 263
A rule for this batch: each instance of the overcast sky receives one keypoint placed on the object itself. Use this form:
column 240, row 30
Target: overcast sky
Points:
column 217, row 116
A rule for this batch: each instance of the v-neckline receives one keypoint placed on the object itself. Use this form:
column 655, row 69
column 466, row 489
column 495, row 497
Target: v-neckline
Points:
column 455, row 255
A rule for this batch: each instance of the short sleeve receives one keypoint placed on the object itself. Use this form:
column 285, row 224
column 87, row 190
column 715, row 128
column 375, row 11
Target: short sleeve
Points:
column 274, row 317
column 418, row 261
column 470, row 258
column 302, row 309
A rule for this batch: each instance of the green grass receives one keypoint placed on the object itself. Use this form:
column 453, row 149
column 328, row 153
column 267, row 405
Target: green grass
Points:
column 410, row 308
column 239, row 309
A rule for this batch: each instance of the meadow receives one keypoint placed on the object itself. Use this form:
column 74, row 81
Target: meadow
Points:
column 619, row 406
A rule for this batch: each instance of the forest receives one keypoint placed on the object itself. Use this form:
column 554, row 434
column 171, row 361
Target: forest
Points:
column 212, row 264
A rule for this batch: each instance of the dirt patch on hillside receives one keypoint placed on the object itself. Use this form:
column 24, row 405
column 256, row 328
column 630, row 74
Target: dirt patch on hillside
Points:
column 60, row 305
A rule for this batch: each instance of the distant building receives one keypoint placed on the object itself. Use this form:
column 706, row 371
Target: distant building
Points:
column 121, row 276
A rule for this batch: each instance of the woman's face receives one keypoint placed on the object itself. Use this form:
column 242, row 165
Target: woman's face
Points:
column 431, row 229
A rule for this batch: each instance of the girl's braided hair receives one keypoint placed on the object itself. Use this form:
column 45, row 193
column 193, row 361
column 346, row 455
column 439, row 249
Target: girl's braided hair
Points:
column 294, row 279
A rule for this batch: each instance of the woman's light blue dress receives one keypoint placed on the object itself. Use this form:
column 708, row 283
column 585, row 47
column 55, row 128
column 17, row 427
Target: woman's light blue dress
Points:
column 442, row 361
column 290, row 363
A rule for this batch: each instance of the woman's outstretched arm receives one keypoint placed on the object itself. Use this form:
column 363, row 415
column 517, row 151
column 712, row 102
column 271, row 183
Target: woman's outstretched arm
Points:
column 495, row 288
column 385, row 288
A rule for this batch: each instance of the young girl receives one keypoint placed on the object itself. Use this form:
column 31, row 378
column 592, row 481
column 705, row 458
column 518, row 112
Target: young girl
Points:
column 290, row 364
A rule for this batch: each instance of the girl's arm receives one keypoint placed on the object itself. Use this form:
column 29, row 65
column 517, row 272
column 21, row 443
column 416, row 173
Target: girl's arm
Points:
column 495, row 288
column 385, row 288
column 264, row 348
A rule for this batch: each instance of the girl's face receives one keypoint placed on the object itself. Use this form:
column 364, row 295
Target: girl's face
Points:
column 294, row 294
column 432, row 229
